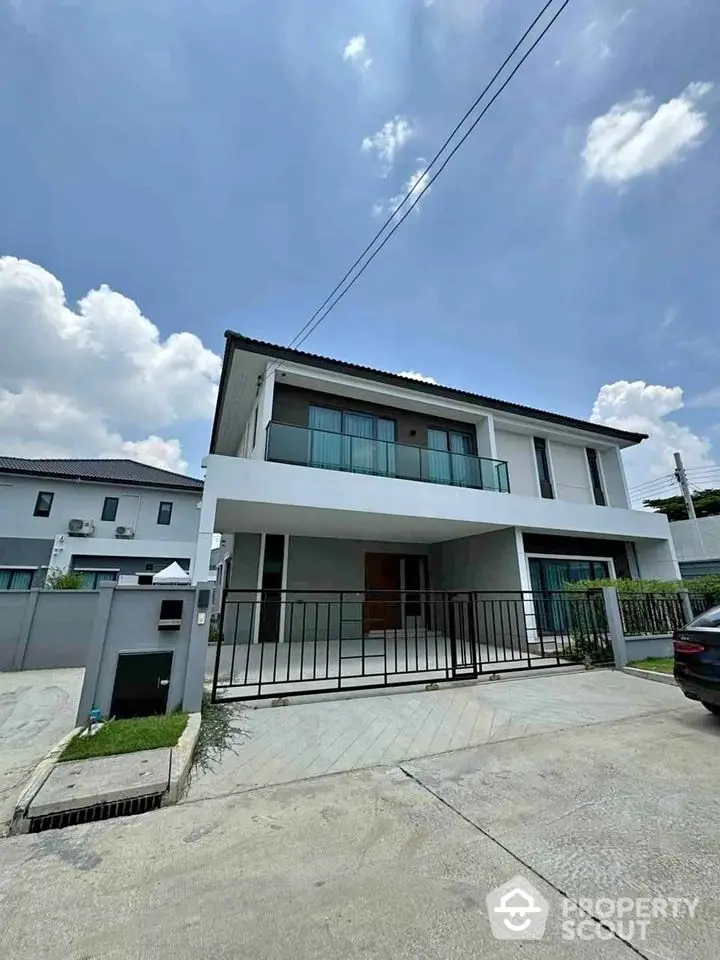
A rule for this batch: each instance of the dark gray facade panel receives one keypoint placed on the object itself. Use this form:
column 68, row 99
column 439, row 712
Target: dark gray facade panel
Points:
column 291, row 405
column 127, row 565
column 580, row 547
column 25, row 552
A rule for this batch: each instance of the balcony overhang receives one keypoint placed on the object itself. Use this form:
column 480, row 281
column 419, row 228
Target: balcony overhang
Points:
column 261, row 496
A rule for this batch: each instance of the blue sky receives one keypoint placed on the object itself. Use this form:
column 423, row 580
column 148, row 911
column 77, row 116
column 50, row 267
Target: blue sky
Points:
column 205, row 162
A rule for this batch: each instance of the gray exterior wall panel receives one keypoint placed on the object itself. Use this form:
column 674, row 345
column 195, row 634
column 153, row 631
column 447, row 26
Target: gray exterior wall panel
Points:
column 291, row 405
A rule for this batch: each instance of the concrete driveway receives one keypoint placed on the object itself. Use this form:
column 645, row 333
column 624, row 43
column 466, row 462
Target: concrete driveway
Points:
column 395, row 861
column 282, row 744
column 37, row 707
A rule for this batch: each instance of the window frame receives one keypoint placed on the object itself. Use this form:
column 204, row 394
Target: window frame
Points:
column 106, row 502
column 592, row 459
column 542, row 466
column 37, row 511
column 160, row 521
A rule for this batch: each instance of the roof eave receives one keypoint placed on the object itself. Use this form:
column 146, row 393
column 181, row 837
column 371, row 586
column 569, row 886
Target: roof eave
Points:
column 74, row 477
column 236, row 341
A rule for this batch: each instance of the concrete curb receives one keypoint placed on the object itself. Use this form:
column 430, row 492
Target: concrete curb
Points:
column 181, row 757
column 19, row 824
column 650, row 675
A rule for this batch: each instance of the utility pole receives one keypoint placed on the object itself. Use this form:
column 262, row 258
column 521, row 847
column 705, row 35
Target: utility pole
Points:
column 682, row 480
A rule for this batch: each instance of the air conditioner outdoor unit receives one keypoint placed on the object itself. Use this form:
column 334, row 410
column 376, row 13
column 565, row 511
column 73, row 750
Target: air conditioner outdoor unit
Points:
column 124, row 533
column 81, row 528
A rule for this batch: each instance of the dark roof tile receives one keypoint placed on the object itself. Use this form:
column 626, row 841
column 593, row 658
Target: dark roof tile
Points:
column 128, row 472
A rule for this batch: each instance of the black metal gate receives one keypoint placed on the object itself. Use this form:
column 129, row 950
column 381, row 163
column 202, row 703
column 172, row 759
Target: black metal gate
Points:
column 325, row 641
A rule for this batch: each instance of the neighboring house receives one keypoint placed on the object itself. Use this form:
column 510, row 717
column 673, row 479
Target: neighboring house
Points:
column 324, row 475
column 697, row 545
column 106, row 518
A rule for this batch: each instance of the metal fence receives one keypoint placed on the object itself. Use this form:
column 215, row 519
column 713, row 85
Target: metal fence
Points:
column 277, row 643
column 651, row 614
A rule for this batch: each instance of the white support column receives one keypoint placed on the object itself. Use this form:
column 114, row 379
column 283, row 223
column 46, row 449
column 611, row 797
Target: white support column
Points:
column 485, row 432
column 200, row 564
column 264, row 413
column 526, row 586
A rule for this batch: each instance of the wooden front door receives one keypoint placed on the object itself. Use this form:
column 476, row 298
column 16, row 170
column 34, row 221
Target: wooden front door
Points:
column 382, row 608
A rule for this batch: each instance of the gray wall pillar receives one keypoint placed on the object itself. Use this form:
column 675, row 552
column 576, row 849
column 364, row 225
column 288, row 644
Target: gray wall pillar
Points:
column 686, row 605
column 20, row 650
column 615, row 627
column 197, row 652
column 95, row 651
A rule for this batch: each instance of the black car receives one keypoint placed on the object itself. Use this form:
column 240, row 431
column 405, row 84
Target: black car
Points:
column 697, row 659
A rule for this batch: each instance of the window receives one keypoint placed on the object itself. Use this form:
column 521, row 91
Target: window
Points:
column 15, row 579
column 91, row 578
column 164, row 513
column 711, row 618
column 595, row 478
column 254, row 429
column 358, row 442
column 109, row 510
column 449, row 460
column 272, row 598
column 543, row 468
column 149, row 567
column 43, row 504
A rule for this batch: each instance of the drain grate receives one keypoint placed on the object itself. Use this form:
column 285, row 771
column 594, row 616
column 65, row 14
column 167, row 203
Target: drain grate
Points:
column 99, row 811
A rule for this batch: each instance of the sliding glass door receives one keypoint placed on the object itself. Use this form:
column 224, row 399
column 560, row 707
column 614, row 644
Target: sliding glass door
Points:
column 356, row 442
column 549, row 577
column 450, row 458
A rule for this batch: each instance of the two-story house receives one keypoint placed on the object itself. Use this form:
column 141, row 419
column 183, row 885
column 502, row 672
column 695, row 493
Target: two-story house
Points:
column 328, row 476
column 106, row 518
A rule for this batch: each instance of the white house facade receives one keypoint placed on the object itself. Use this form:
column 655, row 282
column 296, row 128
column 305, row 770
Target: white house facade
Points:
column 326, row 476
column 109, row 519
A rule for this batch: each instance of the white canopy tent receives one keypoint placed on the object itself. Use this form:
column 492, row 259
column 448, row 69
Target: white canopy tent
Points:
column 174, row 574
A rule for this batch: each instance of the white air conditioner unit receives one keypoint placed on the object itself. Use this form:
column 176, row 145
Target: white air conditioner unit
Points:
column 81, row 528
column 124, row 533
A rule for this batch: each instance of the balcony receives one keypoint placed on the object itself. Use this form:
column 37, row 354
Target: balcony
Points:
column 307, row 447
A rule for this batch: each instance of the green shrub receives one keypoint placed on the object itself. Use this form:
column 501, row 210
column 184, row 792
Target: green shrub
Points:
column 56, row 579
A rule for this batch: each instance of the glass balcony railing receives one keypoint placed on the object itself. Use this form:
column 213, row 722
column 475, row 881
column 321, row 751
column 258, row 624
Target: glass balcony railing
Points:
column 382, row 458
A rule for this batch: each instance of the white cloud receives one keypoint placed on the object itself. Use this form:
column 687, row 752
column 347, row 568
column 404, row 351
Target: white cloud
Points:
column 419, row 182
column 389, row 140
column 414, row 375
column 356, row 51
column 75, row 380
column 643, row 408
column 633, row 138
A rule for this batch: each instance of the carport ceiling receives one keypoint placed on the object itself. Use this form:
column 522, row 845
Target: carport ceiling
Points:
column 236, row 516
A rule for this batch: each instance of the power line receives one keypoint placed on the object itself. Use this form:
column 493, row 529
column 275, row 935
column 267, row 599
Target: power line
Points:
column 329, row 303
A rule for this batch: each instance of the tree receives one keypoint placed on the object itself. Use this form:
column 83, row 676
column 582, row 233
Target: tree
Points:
column 707, row 504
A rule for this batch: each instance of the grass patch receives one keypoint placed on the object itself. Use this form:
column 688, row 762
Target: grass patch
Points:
column 657, row 664
column 128, row 736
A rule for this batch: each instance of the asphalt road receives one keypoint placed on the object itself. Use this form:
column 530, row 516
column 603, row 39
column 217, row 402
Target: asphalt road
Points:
column 395, row 862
